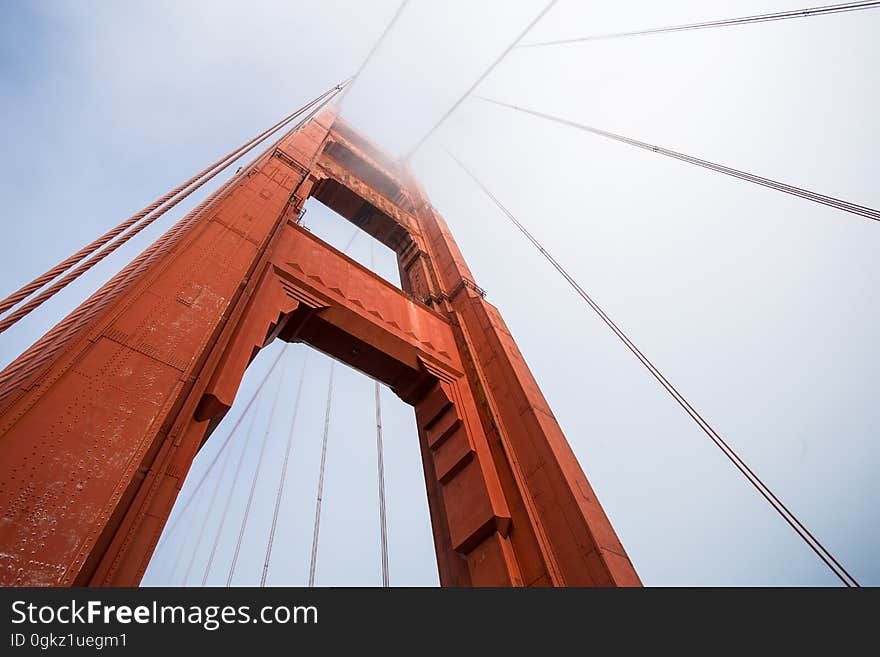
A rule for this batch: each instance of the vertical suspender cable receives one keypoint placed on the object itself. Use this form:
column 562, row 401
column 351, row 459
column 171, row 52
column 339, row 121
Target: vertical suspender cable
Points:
column 134, row 227
column 90, row 248
column 380, row 467
column 825, row 10
column 214, row 493
column 314, row 559
column 250, row 500
column 383, row 534
column 179, row 560
column 220, row 450
column 477, row 82
column 228, row 502
column 280, row 493
column 354, row 235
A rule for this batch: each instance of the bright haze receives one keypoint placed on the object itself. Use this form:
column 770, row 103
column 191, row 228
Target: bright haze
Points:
column 760, row 307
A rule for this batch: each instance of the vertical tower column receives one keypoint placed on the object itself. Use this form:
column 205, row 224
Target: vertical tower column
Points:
column 559, row 533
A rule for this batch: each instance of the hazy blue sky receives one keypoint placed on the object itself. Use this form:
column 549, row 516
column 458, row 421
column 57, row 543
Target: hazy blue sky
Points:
column 761, row 308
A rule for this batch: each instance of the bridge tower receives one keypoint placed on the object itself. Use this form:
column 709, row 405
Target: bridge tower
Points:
column 101, row 419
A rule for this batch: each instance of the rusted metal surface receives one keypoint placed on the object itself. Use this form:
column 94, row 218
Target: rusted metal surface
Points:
column 95, row 441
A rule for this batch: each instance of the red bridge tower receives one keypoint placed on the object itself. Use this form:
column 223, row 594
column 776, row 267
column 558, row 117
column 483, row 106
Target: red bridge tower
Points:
column 102, row 417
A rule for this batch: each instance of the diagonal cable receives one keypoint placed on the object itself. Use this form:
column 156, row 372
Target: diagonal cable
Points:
column 830, row 201
column 824, row 10
column 228, row 503
column 812, row 542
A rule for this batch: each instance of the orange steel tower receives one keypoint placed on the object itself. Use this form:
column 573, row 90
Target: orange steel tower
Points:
column 100, row 419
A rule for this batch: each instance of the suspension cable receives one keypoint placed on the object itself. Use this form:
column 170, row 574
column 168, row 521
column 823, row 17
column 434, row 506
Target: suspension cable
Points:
column 380, row 464
column 373, row 50
column 350, row 242
column 812, row 542
column 322, row 470
column 134, row 225
column 830, row 201
column 314, row 559
column 247, row 509
column 42, row 350
column 482, row 77
column 281, row 481
column 184, row 542
column 90, row 248
column 228, row 502
column 47, row 346
column 746, row 20
column 207, row 472
column 380, row 467
column 207, row 515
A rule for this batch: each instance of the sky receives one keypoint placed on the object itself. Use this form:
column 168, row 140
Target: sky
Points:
column 760, row 307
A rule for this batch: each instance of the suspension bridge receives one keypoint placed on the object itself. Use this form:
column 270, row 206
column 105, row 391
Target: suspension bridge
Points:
column 103, row 417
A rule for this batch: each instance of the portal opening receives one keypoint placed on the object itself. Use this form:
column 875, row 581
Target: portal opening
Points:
column 201, row 538
column 353, row 239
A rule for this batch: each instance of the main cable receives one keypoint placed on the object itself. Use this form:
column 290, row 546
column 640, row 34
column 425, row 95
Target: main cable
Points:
column 133, row 225
column 90, row 248
column 812, row 542
column 380, row 470
column 830, row 201
column 482, row 77
column 219, row 452
column 824, row 10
